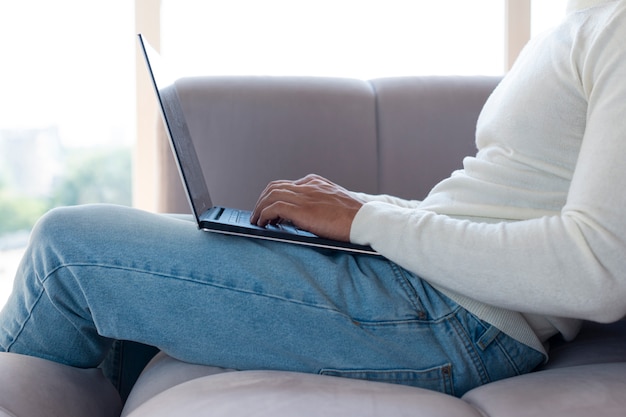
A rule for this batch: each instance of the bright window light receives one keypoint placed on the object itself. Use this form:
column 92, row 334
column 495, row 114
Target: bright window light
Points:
column 545, row 14
column 67, row 104
column 346, row 38
column 69, row 64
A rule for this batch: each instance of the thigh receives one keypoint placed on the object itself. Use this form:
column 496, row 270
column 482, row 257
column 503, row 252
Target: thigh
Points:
column 108, row 248
column 142, row 273
column 118, row 273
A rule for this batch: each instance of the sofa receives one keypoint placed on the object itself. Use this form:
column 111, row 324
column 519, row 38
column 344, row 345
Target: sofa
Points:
column 395, row 135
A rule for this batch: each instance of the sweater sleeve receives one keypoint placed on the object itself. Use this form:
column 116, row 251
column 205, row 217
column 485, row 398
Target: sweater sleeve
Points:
column 385, row 198
column 570, row 264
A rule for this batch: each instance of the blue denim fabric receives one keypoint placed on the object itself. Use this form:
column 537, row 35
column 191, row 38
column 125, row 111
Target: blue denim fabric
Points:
column 97, row 273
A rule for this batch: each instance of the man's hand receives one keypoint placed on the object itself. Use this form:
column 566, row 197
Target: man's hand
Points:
column 312, row 203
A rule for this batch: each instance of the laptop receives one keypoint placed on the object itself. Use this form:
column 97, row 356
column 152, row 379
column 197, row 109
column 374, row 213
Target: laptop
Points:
column 209, row 217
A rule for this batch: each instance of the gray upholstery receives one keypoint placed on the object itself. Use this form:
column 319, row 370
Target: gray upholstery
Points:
column 398, row 136
column 253, row 130
column 425, row 128
column 33, row 387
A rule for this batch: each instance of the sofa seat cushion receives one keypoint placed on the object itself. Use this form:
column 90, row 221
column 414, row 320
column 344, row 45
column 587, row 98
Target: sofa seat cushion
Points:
column 277, row 394
column 37, row 387
column 162, row 373
column 170, row 387
column 579, row 391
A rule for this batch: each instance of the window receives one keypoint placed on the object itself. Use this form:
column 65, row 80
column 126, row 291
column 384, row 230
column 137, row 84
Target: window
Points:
column 346, row 38
column 67, row 104
column 546, row 14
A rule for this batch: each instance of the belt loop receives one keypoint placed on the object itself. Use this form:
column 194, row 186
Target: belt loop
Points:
column 488, row 337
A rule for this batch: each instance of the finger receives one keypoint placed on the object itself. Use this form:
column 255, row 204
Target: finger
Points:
column 269, row 188
column 312, row 178
column 276, row 212
column 306, row 179
column 274, row 185
column 285, row 193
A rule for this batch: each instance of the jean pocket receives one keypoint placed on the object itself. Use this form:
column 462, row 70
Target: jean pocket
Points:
column 438, row 378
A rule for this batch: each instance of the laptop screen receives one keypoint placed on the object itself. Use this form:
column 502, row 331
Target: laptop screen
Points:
column 177, row 131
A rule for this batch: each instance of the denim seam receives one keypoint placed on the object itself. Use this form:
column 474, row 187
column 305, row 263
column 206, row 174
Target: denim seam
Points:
column 29, row 314
column 507, row 355
column 390, row 371
column 477, row 361
column 391, row 323
column 409, row 290
column 195, row 281
column 443, row 375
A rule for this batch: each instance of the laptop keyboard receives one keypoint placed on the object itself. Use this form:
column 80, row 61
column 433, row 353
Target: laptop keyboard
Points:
column 238, row 216
column 243, row 217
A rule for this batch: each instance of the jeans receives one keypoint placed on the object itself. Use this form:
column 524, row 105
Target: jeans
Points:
column 93, row 274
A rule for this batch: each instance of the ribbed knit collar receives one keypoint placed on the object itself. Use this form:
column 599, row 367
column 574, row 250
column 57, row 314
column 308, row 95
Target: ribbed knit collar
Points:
column 573, row 5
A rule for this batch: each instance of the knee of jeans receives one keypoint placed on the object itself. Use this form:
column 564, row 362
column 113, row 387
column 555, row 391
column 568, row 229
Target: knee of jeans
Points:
column 56, row 222
column 58, row 229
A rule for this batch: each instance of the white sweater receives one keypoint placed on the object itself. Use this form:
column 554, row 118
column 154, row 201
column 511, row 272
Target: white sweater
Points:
column 534, row 223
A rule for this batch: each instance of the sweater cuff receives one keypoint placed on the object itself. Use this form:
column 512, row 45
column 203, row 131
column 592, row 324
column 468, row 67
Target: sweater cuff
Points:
column 369, row 220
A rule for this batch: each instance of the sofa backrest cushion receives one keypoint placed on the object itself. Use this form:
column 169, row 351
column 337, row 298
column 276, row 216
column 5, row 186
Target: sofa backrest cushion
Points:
column 251, row 130
column 395, row 135
column 426, row 126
